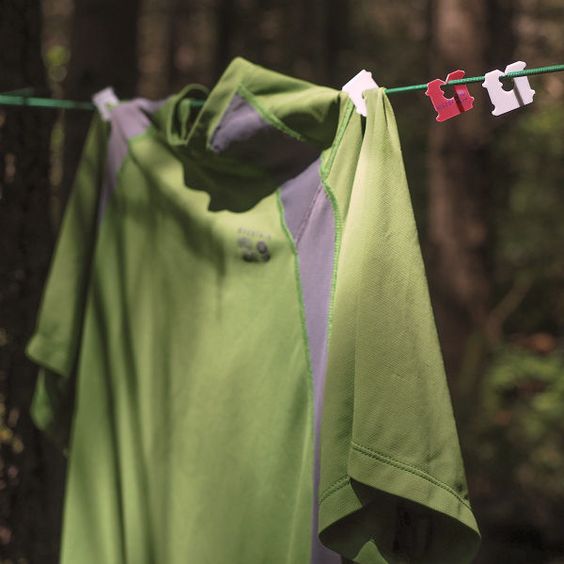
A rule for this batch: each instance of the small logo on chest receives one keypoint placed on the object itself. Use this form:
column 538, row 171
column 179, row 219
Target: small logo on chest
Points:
column 253, row 245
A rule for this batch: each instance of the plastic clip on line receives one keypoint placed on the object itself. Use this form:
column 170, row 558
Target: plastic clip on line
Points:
column 448, row 108
column 355, row 88
column 462, row 101
column 105, row 100
column 505, row 101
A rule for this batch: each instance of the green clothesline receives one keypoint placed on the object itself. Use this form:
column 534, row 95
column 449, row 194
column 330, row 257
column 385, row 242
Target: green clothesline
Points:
column 10, row 99
column 19, row 97
column 470, row 79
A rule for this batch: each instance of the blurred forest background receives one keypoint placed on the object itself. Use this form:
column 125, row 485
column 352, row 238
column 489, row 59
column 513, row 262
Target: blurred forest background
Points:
column 488, row 195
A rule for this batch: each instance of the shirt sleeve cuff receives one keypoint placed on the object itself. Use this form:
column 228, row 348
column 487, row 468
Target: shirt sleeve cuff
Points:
column 49, row 354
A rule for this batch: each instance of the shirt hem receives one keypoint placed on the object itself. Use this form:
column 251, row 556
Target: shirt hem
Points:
column 384, row 474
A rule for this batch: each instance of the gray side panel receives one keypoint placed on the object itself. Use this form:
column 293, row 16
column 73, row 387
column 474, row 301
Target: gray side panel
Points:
column 310, row 219
column 298, row 196
column 127, row 120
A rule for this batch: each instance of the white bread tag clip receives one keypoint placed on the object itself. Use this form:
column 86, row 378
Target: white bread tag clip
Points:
column 503, row 100
column 105, row 100
column 355, row 88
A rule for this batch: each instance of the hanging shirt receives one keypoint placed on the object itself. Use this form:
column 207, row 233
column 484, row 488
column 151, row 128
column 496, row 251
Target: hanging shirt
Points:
column 238, row 351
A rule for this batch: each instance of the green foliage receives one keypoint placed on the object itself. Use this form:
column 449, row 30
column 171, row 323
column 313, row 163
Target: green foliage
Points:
column 518, row 443
column 529, row 217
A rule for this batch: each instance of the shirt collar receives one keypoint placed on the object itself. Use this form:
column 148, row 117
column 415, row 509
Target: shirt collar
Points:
column 255, row 130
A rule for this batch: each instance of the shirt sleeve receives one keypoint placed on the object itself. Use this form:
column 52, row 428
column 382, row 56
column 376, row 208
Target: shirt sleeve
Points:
column 392, row 486
column 55, row 342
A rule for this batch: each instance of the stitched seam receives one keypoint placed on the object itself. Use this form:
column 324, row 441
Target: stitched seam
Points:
column 305, row 335
column 267, row 115
column 213, row 144
column 308, row 213
column 220, row 124
column 334, row 487
column 336, row 253
column 408, row 468
column 210, row 139
column 338, row 138
column 324, row 172
column 248, row 76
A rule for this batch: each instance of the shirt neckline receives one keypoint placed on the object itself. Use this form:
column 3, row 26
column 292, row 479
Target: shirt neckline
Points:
column 272, row 94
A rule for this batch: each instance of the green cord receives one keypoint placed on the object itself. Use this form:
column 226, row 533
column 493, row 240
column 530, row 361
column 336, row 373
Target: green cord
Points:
column 539, row 70
column 11, row 99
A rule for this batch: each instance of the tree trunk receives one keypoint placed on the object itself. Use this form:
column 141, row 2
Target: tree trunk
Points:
column 103, row 53
column 459, row 184
column 31, row 470
column 225, row 26
column 477, row 37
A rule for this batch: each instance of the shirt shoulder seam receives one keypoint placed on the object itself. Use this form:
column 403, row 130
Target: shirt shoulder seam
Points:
column 267, row 115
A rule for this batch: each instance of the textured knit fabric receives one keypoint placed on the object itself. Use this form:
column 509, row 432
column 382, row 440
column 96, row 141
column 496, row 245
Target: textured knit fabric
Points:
column 237, row 347
column 392, row 481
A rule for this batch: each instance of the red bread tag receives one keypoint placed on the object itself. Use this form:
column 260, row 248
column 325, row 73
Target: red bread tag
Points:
column 448, row 108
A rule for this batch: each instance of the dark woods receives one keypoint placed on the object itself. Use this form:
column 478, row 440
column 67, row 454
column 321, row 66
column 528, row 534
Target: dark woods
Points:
column 487, row 194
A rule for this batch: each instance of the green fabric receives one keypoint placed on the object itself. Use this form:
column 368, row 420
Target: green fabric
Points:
column 192, row 423
column 58, row 332
column 391, row 466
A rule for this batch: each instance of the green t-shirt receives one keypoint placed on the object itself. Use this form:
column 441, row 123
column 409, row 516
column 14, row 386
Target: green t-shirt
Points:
column 238, row 351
